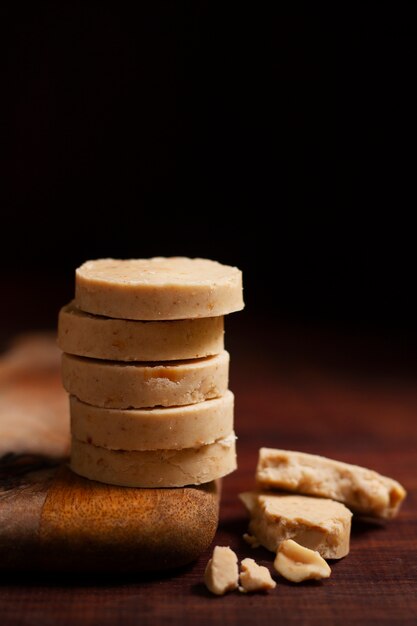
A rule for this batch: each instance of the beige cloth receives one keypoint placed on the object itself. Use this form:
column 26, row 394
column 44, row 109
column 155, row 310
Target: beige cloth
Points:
column 34, row 413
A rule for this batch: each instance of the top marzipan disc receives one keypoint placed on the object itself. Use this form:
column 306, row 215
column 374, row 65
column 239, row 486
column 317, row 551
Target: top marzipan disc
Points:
column 158, row 288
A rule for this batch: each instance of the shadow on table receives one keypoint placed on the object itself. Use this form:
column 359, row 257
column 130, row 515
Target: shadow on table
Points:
column 73, row 579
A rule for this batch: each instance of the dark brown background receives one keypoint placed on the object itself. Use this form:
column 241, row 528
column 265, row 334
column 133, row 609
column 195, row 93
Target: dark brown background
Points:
column 145, row 131
column 135, row 132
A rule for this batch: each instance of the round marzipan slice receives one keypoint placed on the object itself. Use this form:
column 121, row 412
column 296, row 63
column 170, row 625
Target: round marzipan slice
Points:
column 189, row 426
column 124, row 386
column 158, row 289
column 100, row 337
column 155, row 468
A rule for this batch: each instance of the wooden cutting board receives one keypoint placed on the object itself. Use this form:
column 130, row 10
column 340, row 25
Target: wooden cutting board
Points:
column 54, row 520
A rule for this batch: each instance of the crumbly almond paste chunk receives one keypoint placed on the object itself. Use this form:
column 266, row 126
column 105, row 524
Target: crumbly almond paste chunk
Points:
column 221, row 574
column 298, row 563
column 316, row 523
column 254, row 577
column 362, row 490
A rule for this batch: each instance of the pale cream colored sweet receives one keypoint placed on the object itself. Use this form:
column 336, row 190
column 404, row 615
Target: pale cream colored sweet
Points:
column 254, row 577
column 158, row 289
column 154, row 468
column 361, row 489
column 172, row 428
column 316, row 523
column 297, row 563
column 221, row 573
column 123, row 386
column 101, row 337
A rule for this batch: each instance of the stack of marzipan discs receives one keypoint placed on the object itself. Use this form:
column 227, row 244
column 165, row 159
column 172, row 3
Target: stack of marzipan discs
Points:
column 145, row 366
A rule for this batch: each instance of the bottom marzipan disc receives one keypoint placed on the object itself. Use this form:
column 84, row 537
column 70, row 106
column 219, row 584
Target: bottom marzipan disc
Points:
column 155, row 468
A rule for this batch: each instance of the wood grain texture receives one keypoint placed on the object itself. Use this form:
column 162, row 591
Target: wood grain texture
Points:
column 88, row 526
column 317, row 393
column 52, row 520
column 34, row 412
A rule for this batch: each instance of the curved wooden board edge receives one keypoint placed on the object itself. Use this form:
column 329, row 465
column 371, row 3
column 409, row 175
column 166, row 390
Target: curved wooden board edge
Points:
column 52, row 520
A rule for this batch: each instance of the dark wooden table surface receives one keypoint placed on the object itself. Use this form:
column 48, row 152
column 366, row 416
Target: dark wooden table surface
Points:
column 351, row 398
